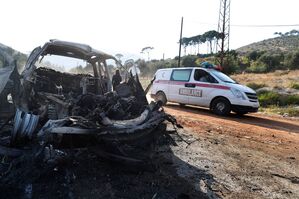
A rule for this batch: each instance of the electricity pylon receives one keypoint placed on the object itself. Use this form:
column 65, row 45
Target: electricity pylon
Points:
column 223, row 29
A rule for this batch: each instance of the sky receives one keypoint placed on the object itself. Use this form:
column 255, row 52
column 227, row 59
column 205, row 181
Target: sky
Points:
column 127, row 26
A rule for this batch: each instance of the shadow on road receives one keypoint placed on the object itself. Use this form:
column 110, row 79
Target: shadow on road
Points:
column 90, row 176
column 247, row 119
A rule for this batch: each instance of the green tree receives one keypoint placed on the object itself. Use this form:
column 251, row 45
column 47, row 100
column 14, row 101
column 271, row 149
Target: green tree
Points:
column 278, row 33
column 141, row 64
column 211, row 36
column 147, row 50
column 254, row 55
column 272, row 62
column 198, row 40
column 294, row 32
column 186, row 42
column 119, row 56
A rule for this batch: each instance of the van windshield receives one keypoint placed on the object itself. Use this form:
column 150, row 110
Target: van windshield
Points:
column 223, row 77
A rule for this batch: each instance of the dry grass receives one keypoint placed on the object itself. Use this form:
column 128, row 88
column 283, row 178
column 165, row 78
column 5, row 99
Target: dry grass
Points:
column 291, row 111
column 277, row 79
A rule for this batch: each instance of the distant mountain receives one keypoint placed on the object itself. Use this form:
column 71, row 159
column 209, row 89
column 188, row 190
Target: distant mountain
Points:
column 283, row 44
column 18, row 56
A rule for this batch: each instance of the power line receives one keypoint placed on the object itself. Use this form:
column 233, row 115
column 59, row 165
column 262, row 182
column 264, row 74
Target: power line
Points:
column 251, row 25
column 265, row 26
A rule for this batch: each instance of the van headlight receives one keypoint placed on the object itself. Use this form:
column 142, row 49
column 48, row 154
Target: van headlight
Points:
column 237, row 93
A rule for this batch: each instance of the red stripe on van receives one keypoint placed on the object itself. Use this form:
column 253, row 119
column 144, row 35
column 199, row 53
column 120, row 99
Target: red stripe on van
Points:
column 197, row 84
column 212, row 86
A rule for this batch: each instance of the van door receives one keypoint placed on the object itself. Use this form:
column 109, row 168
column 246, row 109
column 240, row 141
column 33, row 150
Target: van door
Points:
column 178, row 79
column 204, row 85
column 161, row 82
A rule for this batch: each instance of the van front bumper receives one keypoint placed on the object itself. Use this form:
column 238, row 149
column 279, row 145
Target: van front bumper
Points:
column 240, row 108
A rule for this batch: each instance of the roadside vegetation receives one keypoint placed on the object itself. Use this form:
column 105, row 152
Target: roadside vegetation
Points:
column 294, row 85
column 290, row 111
column 268, row 98
column 277, row 91
column 256, row 86
column 253, row 62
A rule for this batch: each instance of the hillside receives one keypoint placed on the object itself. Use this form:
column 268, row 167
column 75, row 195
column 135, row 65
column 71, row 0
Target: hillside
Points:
column 274, row 45
column 18, row 56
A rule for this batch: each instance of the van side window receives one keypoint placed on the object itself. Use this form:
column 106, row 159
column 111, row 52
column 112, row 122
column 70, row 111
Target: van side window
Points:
column 203, row 76
column 181, row 75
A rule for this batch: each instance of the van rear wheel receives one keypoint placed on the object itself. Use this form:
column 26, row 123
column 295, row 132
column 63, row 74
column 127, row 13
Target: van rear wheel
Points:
column 160, row 96
column 221, row 106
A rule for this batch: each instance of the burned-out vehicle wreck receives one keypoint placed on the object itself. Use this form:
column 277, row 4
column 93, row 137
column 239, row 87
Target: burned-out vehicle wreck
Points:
column 46, row 113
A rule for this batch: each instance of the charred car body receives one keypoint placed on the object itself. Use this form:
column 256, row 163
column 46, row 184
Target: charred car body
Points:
column 61, row 109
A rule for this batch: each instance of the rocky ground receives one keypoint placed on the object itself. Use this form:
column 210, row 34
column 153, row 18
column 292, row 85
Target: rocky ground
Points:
column 254, row 156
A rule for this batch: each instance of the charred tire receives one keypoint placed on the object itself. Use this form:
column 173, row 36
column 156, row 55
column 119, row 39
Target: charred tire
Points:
column 221, row 106
column 160, row 96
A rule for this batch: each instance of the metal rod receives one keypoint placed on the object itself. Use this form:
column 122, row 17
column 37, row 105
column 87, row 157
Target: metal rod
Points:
column 179, row 62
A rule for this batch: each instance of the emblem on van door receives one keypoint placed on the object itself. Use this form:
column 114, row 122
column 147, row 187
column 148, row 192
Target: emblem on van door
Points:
column 190, row 92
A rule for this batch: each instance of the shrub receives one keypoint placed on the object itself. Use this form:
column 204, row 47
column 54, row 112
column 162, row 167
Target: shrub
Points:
column 256, row 86
column 230, row 69
column 294, row 62
column 267, row 98
column 294, row 85
column 254, row 55
column 257, row 67
column 149, row 68
column 292, row 100
column 290, row 110
column 189, row 60
column 231, row 64
column 272, row 62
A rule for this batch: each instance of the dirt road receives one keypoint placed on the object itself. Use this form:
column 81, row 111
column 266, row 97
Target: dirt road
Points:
column 254, row 156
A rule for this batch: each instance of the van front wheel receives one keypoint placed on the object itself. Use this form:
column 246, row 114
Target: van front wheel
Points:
column 160, row 96
column 221, row 106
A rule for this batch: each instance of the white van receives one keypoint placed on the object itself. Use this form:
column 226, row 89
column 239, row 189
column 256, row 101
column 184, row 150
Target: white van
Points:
column 203, row 87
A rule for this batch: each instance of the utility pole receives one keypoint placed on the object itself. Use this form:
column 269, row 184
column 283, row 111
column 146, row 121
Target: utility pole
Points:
column 179, row 62
column 224, row 30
